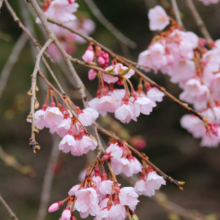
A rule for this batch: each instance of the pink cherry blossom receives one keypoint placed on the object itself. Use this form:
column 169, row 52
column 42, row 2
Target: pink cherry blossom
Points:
column 66, row 215
column 128, row 197
column 53, row 116
column 67, row 143
column 92, row 74
column 107, row 104
column 87, row 202
column 109, row 78
column 64, row 127
column 54, row 207
column 143, row 105
column 117, row 94
column 61, row 10
column 88, row 56
column 210, row 140
column 136, row 165
column 158, row 18
column 87, row 116
column 155, row 94
column 215, row 86
column 73, row 190
column 140, row 186
column 94, row 103
column 208, row 2
column 40, row 119
column 104, row 188
column 120, row 68
column 115, row 152
column 144, row 59
column 125, row 112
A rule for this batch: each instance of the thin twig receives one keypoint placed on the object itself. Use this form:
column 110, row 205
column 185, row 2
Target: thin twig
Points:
column 48, row 179
column 11, row 61
column 11, row 213
column 1, row 3
column 198, row 20
column 98, row 14
column 177, row 13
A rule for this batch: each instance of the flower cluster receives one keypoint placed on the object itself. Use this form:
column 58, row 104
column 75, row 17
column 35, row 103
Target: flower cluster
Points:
column 68, row 126
column 62, row 11
column 126, row 104
column 184, row 57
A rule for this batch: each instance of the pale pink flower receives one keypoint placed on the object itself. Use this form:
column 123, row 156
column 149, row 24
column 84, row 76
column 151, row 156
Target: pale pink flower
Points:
column 116, row 212
column 87, row 116
column 94, row 103
column 64, row 127
column 195, row 93
column 115, row 152
column 182, row 71
column 127, row 167
column 193, row 125
column 88, row 56
column 73, row 190
column 120, row 68
column 128, row 197
column 85, row 144
column 87, row 202
column 158, row 18
column 136, row 165
column 125, row 112
column 53, row 116
column 155, row 94
column 144, row 59
column 67, row 143
column 140, row 186
column 54, row 207
column 117, row 94
column 97, row 179
column 215, row 86
column 61, row 10
column 210, row 140
column 104, row 188
column 66, row 215
column 108, row 78
column 143, row 105
column 107, row 104
column 40, row 119
column 92, row 74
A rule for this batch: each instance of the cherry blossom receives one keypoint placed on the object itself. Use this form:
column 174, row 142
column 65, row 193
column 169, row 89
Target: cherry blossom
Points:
column 53, row 116
column 54, row 207
column 87, row 116
column 158, row 18
column 66, row 215
column 40, row 119
column 67, row 143
column 155, row 94
column 88, row 55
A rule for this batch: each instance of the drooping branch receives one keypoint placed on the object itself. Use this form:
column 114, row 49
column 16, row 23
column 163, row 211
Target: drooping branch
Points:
column 121, row 37
column 11, row 61
column 11, row 213
column 177, row 13
column 198, row 20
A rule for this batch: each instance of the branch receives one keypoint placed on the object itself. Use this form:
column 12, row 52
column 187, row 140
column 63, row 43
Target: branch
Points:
column 11, row 213
column 198, row 20
column 1, row 3
column 128, row 63
column 11, row 61
column 98, row 14
column 177, row 13
column 33, row 142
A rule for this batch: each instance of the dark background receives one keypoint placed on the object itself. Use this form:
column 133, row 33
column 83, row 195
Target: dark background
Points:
column 169, row 146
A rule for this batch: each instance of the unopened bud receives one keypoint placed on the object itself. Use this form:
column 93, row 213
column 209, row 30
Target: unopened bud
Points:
column 54, row 207
column 181, row 182
column 29, row 93
column 36, row 106
column 29, row 116
column 36, row 89
column 36, row 131
column 134, row 217
column 37, row 147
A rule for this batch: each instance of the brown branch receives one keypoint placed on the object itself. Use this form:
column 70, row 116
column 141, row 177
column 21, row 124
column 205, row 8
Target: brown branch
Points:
column 177, row 13
column 1, row 3
column 11, row 213
column 198, row 20
column 98, row 14
column 128, row 63
column 11, row 61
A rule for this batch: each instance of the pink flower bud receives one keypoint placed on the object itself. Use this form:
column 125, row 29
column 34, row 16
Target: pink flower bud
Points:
column 101, row 60
column 105, row 56
column 88, row 56
column 92, row 74
column 54, row 207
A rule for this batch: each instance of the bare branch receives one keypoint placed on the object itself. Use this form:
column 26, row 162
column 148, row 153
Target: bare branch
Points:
column 11, row 213
column 177, row 13
column 198, row 20
column 121, row 37
column 11, row 61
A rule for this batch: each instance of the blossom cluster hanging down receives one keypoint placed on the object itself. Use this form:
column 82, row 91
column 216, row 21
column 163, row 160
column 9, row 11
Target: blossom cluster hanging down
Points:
column 62, row 11
column 185, row 58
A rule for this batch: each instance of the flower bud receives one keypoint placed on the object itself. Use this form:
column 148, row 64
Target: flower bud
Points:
column 29, row 93
column 54, row 207
column 36, row 106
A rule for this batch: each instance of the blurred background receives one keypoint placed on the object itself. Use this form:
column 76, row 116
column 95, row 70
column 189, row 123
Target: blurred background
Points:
column 169, row 146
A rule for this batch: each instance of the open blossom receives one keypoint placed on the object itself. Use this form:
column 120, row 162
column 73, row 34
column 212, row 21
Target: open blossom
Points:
column 61, row 10
column 125, row 112
column 40, row 119
column 64, row 127
column 87, row 202
column 53, row 116
column 128, row 197
column 87, row 116
column 67, row 143
column 66, row 215
column 147, row 186
column 104, row 188
column 195, row 93
column 158, row 18
column 155, row 95
column 88, row 56
column 143, row 105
